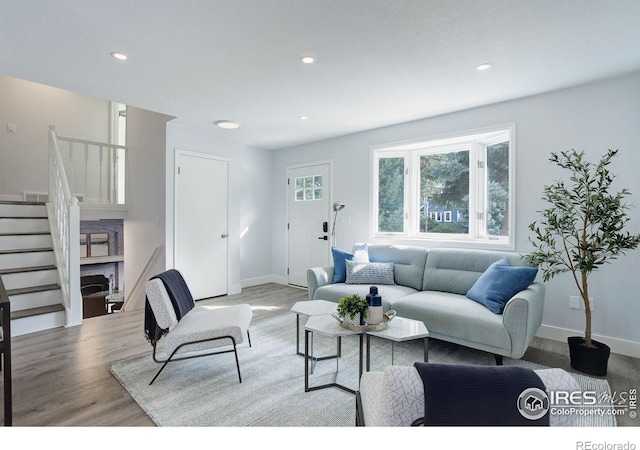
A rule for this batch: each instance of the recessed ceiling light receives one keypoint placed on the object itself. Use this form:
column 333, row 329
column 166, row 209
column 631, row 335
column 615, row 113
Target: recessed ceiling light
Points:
column 304, row 117
column 226, row 124
column 484, row 66
column 307, row 59
column 120, row 56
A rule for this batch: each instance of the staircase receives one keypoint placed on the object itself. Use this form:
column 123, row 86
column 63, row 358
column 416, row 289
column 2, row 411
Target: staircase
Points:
column 27, row 268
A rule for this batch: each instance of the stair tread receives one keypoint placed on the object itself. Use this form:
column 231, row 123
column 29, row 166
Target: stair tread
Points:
column 32, row 289
column 26, row 250
column 36, row 311
column 24, row 217
column 26, row 233
column 20, row 202
column 27, row 269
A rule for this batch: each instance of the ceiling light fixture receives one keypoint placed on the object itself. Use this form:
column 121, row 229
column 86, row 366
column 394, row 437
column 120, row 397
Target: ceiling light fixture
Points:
column 226, row 124
column 307, row 59
column 304, row 117
column 120, row 56
column 484, row 66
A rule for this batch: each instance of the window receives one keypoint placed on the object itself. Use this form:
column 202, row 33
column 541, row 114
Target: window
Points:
column 456, row 189
column 308, row 188
column 118, row 135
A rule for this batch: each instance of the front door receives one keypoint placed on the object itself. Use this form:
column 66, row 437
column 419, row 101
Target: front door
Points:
column 308, row 193
column 201, row 222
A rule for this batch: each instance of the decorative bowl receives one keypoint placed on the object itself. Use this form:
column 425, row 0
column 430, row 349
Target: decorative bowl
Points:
column 386, row 318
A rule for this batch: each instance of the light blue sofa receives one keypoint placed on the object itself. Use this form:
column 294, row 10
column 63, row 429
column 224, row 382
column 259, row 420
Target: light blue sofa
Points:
column 431, row 286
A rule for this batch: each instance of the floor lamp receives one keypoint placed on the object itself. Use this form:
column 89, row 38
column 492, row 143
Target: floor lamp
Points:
column 337, row 206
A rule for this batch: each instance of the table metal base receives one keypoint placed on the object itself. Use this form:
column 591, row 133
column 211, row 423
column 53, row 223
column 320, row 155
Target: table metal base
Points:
column 308, row 336
column 311, row 356
column 368, row 356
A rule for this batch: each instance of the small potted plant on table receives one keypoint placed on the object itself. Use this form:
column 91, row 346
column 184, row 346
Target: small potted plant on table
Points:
column 353, row 310
column 582, row 229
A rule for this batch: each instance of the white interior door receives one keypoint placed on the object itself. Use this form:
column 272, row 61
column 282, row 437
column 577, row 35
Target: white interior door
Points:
column 308, row 194
column 202, row 223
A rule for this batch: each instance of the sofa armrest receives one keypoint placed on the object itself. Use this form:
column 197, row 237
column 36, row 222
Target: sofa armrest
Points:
column 522, row 317
column 318, row 276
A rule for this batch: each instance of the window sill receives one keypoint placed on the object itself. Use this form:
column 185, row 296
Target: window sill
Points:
column 443, row 242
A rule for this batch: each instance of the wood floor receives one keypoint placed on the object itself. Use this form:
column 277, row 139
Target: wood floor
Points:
column 61, row 377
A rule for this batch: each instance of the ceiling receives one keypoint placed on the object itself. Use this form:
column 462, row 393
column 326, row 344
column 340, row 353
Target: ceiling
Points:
column 377, row 62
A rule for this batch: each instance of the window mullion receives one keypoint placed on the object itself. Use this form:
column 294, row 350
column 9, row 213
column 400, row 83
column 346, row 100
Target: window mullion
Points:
column 480, row 194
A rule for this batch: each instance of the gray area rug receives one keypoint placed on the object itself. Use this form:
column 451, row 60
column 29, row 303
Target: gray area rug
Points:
column 206, row 392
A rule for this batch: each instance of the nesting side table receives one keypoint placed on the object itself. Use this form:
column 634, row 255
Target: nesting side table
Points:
column 399, row 330
column 329, row 326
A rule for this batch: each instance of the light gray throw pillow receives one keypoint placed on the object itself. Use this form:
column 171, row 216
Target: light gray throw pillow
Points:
column 369, row 273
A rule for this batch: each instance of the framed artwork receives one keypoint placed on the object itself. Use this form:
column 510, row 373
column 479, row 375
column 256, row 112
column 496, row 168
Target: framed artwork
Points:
column 84, row 248
column 94, row 244
column 99, row 244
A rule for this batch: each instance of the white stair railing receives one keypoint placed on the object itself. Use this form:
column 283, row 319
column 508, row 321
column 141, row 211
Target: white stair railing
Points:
column 64, row 221
column 96, row 170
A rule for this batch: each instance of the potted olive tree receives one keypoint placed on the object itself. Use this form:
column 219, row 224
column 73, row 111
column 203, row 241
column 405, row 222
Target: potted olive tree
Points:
column 581, row 229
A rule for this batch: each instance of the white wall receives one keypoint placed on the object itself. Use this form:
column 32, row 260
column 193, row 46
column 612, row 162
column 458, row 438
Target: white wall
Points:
column 249, row 203
column 144, row 227
column 592, row 118
column 32, row 107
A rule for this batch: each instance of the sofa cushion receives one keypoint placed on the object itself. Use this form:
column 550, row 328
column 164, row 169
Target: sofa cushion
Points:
column 456, row 270
column 408, row 262
column 339, row 267
column 369, row 273
column 499, row 283
column 454, row 316
column 389, row 293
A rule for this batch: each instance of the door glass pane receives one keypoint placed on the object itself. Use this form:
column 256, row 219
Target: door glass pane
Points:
column 308, row 188
column 391, row 195
column 444, row 192
column 498, row 189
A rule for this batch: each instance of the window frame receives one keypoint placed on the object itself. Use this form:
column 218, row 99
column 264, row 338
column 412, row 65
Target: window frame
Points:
column 477, row 142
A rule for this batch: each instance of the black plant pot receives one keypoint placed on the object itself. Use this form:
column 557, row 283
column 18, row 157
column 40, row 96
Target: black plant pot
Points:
column 592, row 361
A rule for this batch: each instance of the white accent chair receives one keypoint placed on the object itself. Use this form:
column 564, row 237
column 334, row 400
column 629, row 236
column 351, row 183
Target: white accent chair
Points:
column 395, row 397
column 198, row 331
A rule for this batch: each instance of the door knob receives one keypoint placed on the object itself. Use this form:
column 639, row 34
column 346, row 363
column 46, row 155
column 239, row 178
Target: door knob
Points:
column 324, row 238
column 224, row 235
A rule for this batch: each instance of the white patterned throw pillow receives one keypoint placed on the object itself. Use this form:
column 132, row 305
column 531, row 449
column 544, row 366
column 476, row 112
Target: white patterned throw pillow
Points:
column 369, row 273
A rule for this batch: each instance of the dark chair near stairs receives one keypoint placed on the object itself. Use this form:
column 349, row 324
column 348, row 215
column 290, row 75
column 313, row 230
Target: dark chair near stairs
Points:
column 5, row 353
column 94, row 289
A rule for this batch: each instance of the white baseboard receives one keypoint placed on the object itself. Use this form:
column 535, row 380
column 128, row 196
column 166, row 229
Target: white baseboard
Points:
column 11, row 198
column 264, row 280
column 279, row 280
column 619, row 346
column 249, row 282
column 235, row 289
